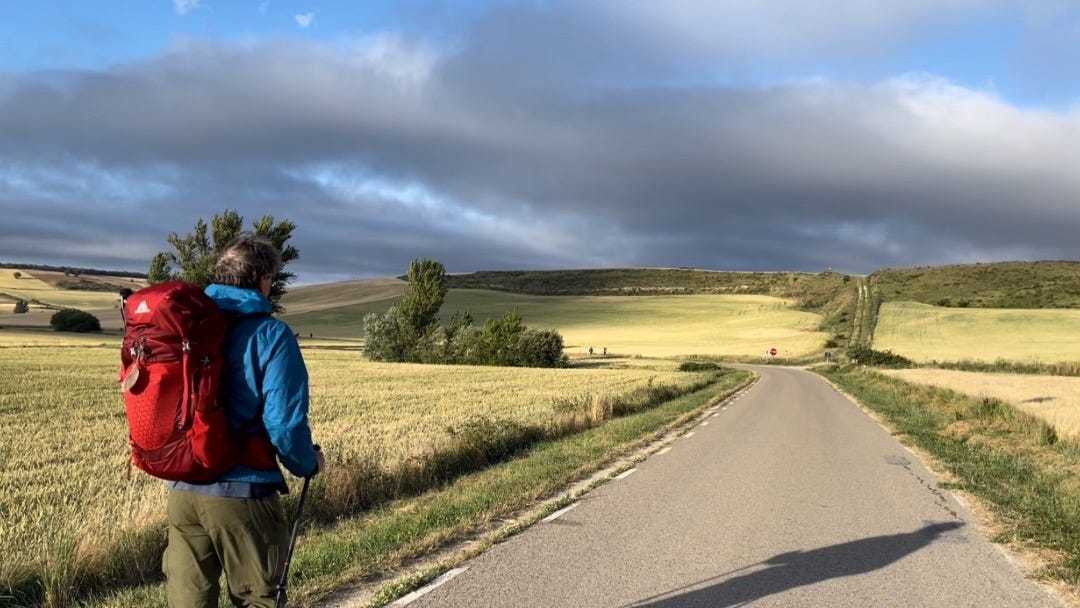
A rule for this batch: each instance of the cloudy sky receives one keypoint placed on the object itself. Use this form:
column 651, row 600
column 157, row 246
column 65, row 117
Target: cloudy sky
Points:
column 533, row 134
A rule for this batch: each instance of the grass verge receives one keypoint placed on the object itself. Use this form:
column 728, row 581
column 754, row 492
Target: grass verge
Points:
column 377, row 543
column 1013, row 462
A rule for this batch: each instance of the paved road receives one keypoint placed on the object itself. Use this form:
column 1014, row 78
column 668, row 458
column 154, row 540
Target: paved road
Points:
column 789, row 496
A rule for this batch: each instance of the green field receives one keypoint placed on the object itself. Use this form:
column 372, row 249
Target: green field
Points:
column 658, row 326
column 925, row 333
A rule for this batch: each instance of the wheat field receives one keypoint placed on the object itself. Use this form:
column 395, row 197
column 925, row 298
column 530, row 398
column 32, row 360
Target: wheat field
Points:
column 1055, row 399
column 64, row 486
column 650, row 326
column 925, row 333
column 28, row 288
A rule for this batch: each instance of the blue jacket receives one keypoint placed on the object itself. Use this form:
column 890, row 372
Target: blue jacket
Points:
column 265, row 372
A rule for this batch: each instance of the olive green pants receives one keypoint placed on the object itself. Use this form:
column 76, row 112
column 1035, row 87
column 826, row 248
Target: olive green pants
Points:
column 247, row 537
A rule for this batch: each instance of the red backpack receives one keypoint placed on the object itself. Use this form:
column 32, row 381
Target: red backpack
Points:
column 171, row 364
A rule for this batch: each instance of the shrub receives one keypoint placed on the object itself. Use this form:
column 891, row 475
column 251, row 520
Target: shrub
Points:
column 22, row 306
column 540, row 348
column 382, row 337
column 868, row 356
column 74, row 320
column 697, row 366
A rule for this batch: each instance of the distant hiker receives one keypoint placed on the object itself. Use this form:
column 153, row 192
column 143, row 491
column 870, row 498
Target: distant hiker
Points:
column 235, row 522
column 605, row 351
column 590, row 351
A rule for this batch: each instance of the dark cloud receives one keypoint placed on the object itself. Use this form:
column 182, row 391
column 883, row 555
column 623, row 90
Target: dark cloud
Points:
column 553, row 136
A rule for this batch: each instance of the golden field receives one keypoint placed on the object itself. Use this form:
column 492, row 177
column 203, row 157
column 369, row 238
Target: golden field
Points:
column 925, row 333
column 64, row 488
column 30, row 287
column 1055, row 399
column 650, row 326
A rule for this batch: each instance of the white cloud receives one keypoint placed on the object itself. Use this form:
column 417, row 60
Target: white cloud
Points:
column 305, row 20
column 184, row 7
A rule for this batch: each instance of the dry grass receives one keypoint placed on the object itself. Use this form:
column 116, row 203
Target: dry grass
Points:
column 1055, row 399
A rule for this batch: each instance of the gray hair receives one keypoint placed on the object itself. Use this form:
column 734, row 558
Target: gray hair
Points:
column 246, row 260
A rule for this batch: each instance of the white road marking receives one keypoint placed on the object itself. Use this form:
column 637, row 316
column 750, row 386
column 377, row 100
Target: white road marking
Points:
column 421, row 592
column 690, row 434
column 706, row 423
column 626, row 474
column 559, row 513
column 664, row 451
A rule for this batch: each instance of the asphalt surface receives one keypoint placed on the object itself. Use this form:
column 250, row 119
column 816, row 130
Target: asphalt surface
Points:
column 789, row 496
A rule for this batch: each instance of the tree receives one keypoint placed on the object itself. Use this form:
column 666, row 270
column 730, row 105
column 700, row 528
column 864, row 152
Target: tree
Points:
column 194, row 255
column 159, row 272
column 459, row 338
column 17, row 274
column 22, row 306
column 418, row 310
column 410, row 330
column 499, row 339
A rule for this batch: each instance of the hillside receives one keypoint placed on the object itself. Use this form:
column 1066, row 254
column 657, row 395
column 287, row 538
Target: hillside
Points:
column 1045, row 284
column 848, row 305
column 827, row 293
column 1000, row 285
column 812, row 289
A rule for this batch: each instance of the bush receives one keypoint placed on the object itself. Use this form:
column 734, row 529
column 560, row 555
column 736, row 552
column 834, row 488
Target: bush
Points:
column 71, row 319
column 697, row 366
column 540, row 348
column 867, row 356
column 382, row 337
column 22, row 306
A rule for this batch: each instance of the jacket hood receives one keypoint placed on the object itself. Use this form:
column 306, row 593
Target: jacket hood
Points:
column 237, row 301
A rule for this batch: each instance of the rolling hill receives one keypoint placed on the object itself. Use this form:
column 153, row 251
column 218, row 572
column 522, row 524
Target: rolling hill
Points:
column 595, row 306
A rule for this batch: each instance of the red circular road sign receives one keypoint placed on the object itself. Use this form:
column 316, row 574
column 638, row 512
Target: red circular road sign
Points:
column 772, row 351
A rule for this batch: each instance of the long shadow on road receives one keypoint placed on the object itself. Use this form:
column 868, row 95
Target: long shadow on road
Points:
column 797, row 568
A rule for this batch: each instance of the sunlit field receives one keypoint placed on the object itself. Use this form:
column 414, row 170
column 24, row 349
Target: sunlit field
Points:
column 63, row 454
column 930, row 333
column 653, row 326
column 28, row 288
column 1055, row 399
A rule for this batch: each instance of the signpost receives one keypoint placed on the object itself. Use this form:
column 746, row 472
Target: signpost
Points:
column 772, row 352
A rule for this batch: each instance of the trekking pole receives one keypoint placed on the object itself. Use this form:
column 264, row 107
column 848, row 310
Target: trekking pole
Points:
column 292, row 541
